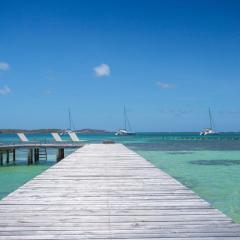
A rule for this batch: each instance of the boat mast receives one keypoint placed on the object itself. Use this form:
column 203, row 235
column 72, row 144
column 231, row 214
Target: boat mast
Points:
column 210, row 118
column 125, row 118
column 69, row 119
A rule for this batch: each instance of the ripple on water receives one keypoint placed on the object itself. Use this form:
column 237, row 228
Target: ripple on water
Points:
column 216, row 162
column 180, row 153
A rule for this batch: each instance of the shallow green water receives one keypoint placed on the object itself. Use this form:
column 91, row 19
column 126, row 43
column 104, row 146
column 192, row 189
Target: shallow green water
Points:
column 210, row 165
column 12, row 177
column 214, row 175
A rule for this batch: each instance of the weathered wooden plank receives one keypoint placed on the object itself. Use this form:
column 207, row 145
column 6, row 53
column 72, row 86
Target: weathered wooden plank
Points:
column 109, row 192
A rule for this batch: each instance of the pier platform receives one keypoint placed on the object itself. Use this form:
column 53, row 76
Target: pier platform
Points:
column 35, row 150
column 40, row 145
column 107, row 191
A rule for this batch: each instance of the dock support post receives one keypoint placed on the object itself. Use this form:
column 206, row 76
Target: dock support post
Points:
column 30, row 156
column 60, row 154
column 36, row 154
column 7, row 153
column 1, row 158
column 14, row 155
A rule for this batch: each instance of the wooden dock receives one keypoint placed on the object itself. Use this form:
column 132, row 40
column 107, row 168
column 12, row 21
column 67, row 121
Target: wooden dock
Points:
column 40, row 145
column 34, row 150
column 106, row 191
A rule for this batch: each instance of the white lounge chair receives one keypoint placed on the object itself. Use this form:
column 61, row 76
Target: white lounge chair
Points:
column 73, row 136
column 56, row 137
column 22, row 137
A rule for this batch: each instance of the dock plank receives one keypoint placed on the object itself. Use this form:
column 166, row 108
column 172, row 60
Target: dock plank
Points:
column 106, row 191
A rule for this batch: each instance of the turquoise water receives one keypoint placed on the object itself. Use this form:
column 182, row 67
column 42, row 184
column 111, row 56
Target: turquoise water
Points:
column 214, row 175
column 12, row 177
column 210, row 165
column 15, row 175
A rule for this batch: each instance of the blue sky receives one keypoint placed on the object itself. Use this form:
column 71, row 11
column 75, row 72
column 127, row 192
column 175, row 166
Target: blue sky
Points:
column 167, row 61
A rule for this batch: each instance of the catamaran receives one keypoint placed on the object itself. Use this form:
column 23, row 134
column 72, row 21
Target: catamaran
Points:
column 69, row 131
column 210, row 130
column 127, row 130
column 71, row 125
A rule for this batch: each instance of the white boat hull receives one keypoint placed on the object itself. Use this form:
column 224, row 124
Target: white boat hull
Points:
column 123, row 132
column 207, row 131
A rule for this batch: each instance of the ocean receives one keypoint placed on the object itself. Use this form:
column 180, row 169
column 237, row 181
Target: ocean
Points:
column 208, row 165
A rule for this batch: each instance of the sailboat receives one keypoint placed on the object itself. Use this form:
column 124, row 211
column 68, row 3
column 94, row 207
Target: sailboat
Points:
column 210, row 130
column 126, row 131
column 71, row 125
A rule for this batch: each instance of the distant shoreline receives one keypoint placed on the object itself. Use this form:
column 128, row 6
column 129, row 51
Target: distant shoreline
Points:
column 50, row 130
column 93, row 131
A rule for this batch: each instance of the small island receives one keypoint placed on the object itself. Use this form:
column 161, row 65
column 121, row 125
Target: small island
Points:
column 50, row 130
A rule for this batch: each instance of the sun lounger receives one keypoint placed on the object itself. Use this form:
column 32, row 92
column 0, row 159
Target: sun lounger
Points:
column 22, row 137
column 74, row 137
column 56, row 137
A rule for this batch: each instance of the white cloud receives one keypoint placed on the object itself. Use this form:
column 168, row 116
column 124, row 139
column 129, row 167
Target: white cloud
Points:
column 5, row 90
column 4, row 66
column 229, row 112
column 170, row 111
column 165, row 85
column 51, row 75
column 47, row 92
column 102, row 70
